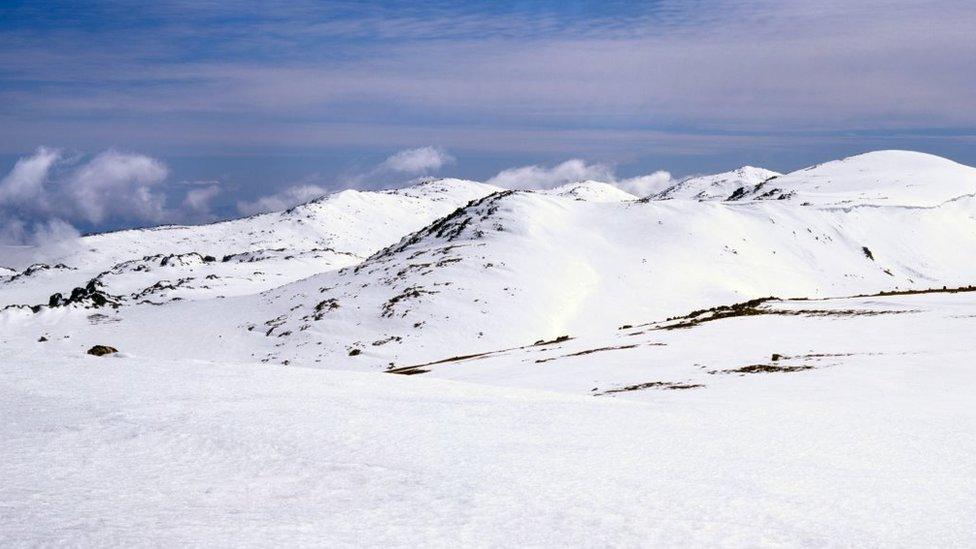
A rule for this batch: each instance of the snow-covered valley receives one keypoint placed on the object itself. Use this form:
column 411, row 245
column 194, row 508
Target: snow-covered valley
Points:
column 743, row 359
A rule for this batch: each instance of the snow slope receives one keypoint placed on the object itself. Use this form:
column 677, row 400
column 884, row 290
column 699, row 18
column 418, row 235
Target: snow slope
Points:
column 271, row 249
column 895, row 178
column 557, row 267
column 870, row 448
column 592, row 191
column 715, row 187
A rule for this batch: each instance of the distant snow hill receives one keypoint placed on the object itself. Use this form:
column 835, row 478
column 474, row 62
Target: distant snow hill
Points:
column 381, row 280
column 235, row 257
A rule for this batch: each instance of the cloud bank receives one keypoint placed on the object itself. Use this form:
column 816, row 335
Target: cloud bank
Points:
column 287, row 198
column 574, row 170
column 540, row 177
column 417, row 161
column 45, row 193
column 408, row 162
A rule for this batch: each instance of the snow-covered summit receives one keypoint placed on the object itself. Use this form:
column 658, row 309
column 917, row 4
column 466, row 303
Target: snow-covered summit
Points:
column 326, row 233
column 717, row 186
column 894, row 178
column 455, row 191
column 591, row 191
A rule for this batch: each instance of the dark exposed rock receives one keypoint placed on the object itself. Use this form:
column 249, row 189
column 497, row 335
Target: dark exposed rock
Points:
column 101, row 350
column 38, row 267
column 90, row 296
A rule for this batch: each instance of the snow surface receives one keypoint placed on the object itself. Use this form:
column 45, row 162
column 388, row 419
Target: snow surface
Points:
column 325, row 234
column 451, row 363
column 868, row 449
column 592, row 191
column 898, row 178
column 716, row 187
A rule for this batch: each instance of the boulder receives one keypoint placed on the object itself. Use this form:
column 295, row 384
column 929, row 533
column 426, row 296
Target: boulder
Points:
column 100, row 350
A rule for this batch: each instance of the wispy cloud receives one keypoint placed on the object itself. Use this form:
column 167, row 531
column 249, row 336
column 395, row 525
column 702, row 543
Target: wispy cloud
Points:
column 575, row 170
column 716, row 68
column 48, row 190
column 417, row 161
column 25, row 182
column 541, row 177
column 116, row 184
column 408, row 162
column 197, row 202
column 284, row 199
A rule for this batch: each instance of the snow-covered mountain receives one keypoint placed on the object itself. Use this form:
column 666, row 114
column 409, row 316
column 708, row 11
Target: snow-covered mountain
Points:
column 891, row 178
column 241, row 256
column 765, row 328
column 592, row 191
column 510, row 268
column 716, row 187
column 558, row 267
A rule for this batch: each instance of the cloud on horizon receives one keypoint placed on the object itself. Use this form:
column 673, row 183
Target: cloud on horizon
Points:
column 282, row 200
column 45, row 194
column 408, row 162
column 417, row 161
column 574, row 170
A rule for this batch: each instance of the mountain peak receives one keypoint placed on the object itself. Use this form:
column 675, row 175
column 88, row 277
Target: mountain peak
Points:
column 591, row 191
column 716, row 186
column 887, row 177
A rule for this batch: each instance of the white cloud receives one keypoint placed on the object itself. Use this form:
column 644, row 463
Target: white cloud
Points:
column 417, row 161
column 292, row 196
column 25, row 182
column 570, row 171
column 539, row 177
column 422, row 160
column 53, row 231
column 44, row 193
column 197, row 201
column 645, row 185
column 14, row 230
column 115, row 184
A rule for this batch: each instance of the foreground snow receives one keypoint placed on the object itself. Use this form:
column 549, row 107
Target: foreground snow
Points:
column 871, row 445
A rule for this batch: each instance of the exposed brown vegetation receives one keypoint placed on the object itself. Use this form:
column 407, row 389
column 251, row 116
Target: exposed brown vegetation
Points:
column 670, row 385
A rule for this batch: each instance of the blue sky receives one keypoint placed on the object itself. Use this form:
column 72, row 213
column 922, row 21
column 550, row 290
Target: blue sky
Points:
column 256, row 99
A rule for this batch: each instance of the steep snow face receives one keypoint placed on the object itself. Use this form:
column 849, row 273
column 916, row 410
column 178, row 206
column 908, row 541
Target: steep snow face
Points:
column 591, row 191
column 894, row 178
column 328, row 233
column 715, row 187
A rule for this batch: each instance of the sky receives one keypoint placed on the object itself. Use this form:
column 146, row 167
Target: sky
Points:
column 117, row 114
